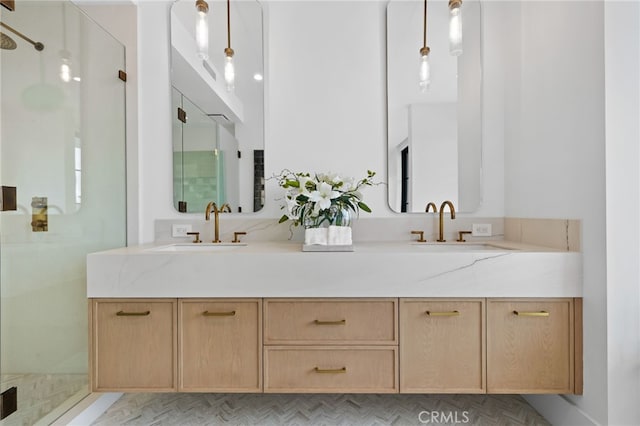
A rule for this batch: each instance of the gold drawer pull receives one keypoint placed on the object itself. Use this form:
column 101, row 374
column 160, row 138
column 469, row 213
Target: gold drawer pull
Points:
column 339, row 322
column 330, row 370
column 532, row 314
column 219, row 314
column 132, row 314
column 443, row 314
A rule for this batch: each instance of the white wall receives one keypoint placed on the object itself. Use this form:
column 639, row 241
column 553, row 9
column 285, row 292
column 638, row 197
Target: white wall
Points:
column 554, row 150
column 622, row 84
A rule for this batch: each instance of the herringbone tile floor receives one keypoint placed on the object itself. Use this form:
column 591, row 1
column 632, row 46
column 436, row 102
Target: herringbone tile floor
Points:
column 185, row 409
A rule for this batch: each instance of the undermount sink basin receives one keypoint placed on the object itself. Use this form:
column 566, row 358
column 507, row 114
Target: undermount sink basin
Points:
column 455, row 247
column 198, row 248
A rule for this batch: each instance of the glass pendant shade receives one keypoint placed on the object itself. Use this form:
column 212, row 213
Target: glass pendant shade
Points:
column 229, row 70
column 455, row 29
column 425, row 70
column 65, row 66
column 202, row 29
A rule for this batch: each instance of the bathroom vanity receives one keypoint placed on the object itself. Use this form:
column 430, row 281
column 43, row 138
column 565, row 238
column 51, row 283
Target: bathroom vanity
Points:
column 386, row 318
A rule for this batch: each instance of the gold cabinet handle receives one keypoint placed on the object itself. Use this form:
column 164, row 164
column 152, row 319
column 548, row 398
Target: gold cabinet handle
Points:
column 330, row 370
column 443, row 314
column 219, row 314
column 339, row 322
column 132, row 314
column 531, row 314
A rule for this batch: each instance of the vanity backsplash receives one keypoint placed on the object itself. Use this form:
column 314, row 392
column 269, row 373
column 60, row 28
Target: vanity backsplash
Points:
column 561, row 234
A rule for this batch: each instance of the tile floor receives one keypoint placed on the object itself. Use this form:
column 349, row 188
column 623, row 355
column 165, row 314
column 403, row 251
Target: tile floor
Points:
column 39, row 394
column 187, row 409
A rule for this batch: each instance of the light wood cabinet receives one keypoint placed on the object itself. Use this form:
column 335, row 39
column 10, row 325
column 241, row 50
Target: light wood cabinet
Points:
column 324, row 369
column 530, row 346
column 331, row 345
column 372, row 345
column 133, row 345
column 331, row 321
column 220, row 343
column 442, row 346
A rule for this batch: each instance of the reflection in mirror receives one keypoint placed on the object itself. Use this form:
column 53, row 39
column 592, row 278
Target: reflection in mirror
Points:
column 435, row 137
column 205, row 164
column 219, row 151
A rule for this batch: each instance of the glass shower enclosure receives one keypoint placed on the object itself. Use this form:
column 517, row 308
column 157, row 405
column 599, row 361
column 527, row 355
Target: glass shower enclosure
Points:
column 62, row 171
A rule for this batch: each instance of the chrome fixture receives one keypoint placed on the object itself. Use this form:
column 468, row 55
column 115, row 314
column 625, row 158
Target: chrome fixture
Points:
column 453, row 216
column 216, row 211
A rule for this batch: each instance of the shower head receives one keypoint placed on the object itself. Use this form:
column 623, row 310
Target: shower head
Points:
column 36, row 44
column 7, row 42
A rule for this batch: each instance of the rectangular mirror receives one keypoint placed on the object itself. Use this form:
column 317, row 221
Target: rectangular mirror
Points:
column 219, row 147
column 434, row 137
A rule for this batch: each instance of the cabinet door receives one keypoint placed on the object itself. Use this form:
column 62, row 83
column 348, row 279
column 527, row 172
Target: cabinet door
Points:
column 220, row 345
column 530, row 346
column 134, row 345
column 442, row 346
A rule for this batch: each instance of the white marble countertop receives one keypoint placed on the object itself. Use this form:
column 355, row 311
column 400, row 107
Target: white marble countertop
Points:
column 384, row 269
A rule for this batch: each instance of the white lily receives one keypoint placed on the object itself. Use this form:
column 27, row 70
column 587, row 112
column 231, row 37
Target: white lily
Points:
column 291, row 204
column 323, row 195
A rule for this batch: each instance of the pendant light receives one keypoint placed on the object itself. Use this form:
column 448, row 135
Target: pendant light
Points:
column 229, row 69
column 425, row 70
column 202, row 29
column 455, row 27
column 65, row 55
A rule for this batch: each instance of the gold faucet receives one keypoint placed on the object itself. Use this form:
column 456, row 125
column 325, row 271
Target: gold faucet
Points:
column 453, row 216
column 216, row 211
column 431, row 204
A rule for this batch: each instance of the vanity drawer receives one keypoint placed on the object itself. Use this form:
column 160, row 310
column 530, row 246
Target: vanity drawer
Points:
column 330, row 321
column 320, row 369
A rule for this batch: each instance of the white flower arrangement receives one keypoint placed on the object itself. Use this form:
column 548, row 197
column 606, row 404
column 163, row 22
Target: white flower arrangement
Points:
column 323, row 198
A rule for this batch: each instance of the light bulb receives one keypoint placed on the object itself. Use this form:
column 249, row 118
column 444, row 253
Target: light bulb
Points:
column 455, row 29
column 202, row 29
column 425, row 70
column 229, row 69
column 65, row 66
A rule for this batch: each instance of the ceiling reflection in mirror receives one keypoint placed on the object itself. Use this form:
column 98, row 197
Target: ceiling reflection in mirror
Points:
column 219, row 147
column 435, row 136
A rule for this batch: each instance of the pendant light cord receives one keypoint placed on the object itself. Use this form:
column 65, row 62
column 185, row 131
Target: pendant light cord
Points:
column 425, row 24
column 229, row 24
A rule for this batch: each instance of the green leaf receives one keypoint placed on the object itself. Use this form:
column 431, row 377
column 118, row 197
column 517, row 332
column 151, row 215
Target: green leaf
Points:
column 283, row 219
column 364, row 207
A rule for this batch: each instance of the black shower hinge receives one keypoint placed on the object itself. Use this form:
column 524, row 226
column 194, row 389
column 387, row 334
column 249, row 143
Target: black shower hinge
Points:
column 182, row 115
column 8, row 402
column 239, row 154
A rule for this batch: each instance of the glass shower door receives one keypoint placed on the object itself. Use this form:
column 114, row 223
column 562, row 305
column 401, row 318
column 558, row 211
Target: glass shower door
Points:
column 62, row 157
